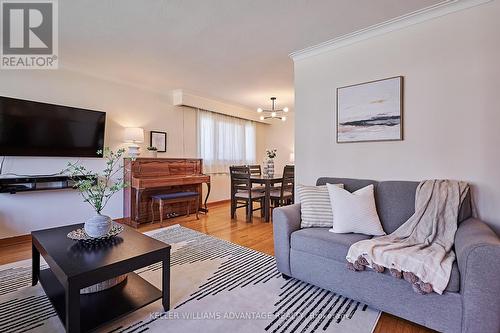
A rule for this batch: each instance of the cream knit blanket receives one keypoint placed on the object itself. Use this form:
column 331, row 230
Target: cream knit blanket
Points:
column 423, row 244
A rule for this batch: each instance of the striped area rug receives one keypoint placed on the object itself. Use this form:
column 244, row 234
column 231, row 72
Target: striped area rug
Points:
column 217, row 286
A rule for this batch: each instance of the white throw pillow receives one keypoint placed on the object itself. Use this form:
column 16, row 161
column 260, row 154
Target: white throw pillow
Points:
column 315, row 206
column 354, row 212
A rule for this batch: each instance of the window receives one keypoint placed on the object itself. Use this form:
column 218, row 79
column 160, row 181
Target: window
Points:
column 224, row 141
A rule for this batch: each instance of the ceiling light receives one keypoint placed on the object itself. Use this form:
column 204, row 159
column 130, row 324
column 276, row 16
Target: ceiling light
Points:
column 273, row 112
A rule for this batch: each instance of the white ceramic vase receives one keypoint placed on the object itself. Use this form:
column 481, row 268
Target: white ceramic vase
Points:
column 98, row 226
column 270, row 167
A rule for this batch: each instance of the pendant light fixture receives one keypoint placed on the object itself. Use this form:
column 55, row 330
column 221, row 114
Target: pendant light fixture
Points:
column 273, row 113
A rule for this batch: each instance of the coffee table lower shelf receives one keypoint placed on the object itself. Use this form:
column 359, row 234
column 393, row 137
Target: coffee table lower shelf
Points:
column 102, row 307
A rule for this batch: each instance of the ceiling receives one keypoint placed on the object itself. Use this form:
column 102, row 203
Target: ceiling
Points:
column 232, row 50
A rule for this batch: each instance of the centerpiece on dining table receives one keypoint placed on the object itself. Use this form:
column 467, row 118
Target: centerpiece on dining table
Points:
column 268, row 168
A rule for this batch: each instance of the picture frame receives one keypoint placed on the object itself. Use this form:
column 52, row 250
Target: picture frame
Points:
column 159, row 140
column 370, row 111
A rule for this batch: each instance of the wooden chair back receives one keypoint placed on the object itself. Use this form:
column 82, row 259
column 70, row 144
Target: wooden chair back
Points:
column 288, row 184
column 255, row 169
column 240, row 178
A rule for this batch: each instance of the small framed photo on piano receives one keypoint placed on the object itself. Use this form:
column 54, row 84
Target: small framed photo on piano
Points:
column 158, row 140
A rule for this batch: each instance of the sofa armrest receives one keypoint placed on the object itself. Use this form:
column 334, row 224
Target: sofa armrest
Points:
column 285, row 221
column 478, row 256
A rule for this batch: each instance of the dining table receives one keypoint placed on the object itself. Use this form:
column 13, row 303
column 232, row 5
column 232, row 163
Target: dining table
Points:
column 268, row 181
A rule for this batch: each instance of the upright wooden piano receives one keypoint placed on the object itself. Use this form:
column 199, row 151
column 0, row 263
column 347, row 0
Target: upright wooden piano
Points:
column 149, row 176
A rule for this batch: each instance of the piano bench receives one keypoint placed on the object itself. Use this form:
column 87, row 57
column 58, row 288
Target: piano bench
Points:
column 176, row 197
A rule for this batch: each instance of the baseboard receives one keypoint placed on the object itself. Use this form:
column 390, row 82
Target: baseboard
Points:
column 122, row 220
column 15, row 240
column 218, row 203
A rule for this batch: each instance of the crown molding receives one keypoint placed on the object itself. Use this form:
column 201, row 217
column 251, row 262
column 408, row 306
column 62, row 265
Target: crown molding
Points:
column 419, row 16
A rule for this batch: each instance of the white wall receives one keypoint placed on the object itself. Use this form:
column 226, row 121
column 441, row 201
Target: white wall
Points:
column 451, row 108
column 126, row 106
column 280, row 136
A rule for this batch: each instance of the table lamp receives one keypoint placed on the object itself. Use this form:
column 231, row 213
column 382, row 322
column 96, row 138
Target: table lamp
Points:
column 134, row 135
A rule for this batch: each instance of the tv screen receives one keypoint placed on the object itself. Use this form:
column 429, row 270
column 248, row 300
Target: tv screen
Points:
column 38, row 129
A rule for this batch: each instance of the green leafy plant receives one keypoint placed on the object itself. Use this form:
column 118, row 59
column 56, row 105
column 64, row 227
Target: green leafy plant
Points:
column 152, row 148
column 96, row 189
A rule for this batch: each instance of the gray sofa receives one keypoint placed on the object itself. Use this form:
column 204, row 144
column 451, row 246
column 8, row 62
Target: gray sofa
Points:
column 471, row 302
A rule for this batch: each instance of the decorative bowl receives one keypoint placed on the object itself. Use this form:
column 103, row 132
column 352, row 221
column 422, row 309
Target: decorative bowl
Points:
column 81, row 236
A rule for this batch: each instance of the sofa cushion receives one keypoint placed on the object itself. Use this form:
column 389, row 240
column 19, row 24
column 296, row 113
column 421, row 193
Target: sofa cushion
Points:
column 350, row 184
column 321, row 242
column 315, row 207
column 354, row 212
column 395, row 199
column 395, row 203
column 454, row 283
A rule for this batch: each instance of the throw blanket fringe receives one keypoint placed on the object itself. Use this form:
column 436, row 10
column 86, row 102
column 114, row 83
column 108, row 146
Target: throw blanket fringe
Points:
column 420, row 250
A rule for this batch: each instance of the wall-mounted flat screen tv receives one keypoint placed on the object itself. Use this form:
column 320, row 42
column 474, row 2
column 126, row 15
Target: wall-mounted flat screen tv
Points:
column 30, row 128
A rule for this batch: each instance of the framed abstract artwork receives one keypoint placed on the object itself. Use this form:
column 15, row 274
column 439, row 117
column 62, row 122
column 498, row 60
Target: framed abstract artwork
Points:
column 370, row 111
column 158, row 140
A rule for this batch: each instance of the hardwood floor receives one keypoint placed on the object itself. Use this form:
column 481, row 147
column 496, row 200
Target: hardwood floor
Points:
column 257, row 235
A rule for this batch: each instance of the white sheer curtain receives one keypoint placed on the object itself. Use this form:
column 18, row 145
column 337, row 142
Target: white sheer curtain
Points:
column 224, row 141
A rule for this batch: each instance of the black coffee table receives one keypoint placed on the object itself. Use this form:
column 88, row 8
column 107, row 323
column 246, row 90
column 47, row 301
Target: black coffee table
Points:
column 73, row 266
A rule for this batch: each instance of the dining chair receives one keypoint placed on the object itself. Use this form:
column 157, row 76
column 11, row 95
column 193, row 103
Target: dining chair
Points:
column 242, row 193
column 255, row 169
column 285, row 194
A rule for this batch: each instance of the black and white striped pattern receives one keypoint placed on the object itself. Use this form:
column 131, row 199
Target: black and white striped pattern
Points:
column 305, row 308
column 12, row 279
column 243, row 266
column 235, row 274
column 243, row 269
column 25, row 314
column 315, row 206
column 301, row 307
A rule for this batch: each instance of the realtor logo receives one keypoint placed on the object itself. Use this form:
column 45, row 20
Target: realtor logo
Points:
column 29, row 34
